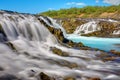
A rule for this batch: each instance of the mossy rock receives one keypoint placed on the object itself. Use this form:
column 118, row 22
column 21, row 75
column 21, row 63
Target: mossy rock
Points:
column 72, row 44
column 67, row 64
column 44, row 76
column 71, row 24
column 59, row 52
column 69, row 78
column 96, row 78
column 115, row 52
column 10, row 45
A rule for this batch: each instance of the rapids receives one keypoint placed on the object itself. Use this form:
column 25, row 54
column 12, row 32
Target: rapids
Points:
column 32, row 54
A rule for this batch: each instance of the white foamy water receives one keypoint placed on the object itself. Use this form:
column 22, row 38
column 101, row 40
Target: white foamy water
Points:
column 93, row 26
column 33, row 40
column 87, row 28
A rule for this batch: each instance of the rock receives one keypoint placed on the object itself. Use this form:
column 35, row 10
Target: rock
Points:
column 59, row 52
column 3, row 36
column 11, row 45
column 1, row 69
column 60, row 37
column 43, row 76
column 115, row 52
column 110, row 58
column 70, row 24
column 67, row 64
column 106, row 30
column 8, row 77
column 94, row 78
column 69, row 78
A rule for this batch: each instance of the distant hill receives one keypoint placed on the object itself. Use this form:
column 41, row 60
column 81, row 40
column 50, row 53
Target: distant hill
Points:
column 86, row 12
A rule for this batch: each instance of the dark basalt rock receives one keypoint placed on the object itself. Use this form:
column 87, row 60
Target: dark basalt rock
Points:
column 60, row 37
column 3, row 36
column 10, row 45
column 8, row 77
column 43, row 76
column 1, row 69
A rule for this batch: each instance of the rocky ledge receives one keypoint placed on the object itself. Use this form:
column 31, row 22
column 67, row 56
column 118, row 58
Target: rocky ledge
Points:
column 108, row 27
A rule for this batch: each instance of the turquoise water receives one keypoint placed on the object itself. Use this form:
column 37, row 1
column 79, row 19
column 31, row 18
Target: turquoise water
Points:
column 95, row 42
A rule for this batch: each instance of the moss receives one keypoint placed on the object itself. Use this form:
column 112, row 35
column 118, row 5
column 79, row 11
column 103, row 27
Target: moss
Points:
column 67, row 64
column 59, row 52
column 69, row 78
column 71, row 24
column 75, row 45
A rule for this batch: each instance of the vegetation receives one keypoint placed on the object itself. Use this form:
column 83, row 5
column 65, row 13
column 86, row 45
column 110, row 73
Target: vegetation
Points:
column 88, row 11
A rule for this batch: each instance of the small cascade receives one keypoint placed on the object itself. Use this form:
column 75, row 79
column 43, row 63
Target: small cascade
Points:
column 51, row 22
column 30, row 52
column 87, row 28
column 116, row 32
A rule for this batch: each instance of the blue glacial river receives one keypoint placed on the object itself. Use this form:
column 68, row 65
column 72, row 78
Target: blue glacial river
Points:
column 95, row 42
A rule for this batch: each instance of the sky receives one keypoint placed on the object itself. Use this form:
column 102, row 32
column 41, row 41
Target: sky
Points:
column 37, row 6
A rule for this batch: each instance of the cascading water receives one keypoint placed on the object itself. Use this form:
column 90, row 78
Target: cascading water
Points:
column 87, row 28
column 93, row 26
column 32, row 41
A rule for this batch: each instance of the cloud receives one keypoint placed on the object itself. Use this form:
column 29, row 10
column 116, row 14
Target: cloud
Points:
column 76, row 3
column 113, row 2
column 50, row 8
column 97, row 1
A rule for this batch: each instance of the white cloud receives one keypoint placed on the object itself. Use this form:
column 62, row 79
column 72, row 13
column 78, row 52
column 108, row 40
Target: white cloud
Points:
column 113, row 2
column 97, row 1
column 50, row 8
column 76, row 3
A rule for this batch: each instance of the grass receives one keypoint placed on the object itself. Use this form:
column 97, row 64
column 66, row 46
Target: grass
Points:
column 88, row 11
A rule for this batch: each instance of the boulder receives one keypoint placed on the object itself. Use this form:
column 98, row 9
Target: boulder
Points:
column 44, row 76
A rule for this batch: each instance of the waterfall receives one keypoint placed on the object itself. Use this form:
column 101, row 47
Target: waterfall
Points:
column 32, row 54
column 87, row 28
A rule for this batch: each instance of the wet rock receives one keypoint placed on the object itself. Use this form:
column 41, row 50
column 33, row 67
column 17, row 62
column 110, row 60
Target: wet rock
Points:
column 106, row 30
column 94, row 78
column 8, row 77
column 1, row 69
column 3, row 36
column 115, row 52
column 69, row 78
column 60, row 37
column 43, row 76
column 70, row 24
column 11, row 45
column 67, row 64
column 59, row 52
column 110, row 58
column 75, row 45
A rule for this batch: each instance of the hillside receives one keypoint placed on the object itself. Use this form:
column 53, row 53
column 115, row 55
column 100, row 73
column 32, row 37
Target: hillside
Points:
column 74, row 17
column 86, row 12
